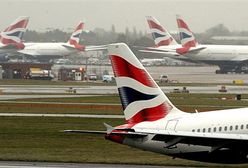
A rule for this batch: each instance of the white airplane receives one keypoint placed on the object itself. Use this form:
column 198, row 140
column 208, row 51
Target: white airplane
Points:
column 229, row 58
column 154, row 124
column 11, row 37
column 57, row 50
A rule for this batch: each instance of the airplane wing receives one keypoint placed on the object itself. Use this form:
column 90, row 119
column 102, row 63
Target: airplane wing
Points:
column 70, row 47
column 87, row 48
column 95, row 48
column 173, row 52
column 214, row 140
column 157, row 50
column 28, row 52
column 196, row 49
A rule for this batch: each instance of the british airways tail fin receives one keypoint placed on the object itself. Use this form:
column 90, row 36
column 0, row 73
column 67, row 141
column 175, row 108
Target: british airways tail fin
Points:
column 141, row 97
column 186, row 35
column 13, row 34
column 160, row 35
column 75, row 37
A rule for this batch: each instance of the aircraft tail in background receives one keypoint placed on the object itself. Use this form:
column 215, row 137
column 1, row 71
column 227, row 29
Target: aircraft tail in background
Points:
column 12, row 36
column 186, row 35
column 160, row 35
column 75, row 37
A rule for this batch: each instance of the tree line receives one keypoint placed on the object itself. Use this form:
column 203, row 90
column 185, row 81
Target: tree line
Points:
column 100, row 36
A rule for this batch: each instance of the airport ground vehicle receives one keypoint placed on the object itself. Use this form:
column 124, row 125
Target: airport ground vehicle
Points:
column 92, row 77
column 108, row 78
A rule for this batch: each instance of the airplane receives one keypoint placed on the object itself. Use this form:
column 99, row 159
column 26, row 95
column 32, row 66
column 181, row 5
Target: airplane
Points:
column 229, row 58
column 154, row 124
column 11, row 37
column 47, row 51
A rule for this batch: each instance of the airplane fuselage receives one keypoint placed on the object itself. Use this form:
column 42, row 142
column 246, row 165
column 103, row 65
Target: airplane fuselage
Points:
column 206, row 123
column 213, row 54
column 48, row 49
column 220, row 54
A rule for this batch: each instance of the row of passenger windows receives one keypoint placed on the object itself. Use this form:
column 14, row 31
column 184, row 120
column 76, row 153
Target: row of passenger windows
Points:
column 219, row 129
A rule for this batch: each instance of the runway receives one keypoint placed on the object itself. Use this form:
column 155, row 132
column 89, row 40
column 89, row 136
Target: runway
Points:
column 185, row 74
column 15, row 164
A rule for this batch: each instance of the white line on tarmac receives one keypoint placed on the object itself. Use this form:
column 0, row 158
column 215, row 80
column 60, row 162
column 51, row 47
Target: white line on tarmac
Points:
column 59, row 115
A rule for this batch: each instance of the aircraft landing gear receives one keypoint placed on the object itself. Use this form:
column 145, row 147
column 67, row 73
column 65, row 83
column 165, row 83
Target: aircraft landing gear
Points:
column 233, row 69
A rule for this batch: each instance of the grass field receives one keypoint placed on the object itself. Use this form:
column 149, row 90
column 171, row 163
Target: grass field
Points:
column 39, row 139
column 111, row 104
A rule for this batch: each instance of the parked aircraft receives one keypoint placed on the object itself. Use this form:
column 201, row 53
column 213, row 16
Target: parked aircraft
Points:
column 56, row 50
column 153, row 123
column 11, row 37
column 229, row 58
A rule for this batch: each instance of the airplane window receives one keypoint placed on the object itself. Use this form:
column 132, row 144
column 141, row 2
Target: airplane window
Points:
column 220, row 128
column 225, row 128
column 236, row 127
column 198, row 130
column 231, row 128
column 247, row 126
column 242, row 127
column 193, row 130
column 214, row 129
column 204, row 130
column 209, row 129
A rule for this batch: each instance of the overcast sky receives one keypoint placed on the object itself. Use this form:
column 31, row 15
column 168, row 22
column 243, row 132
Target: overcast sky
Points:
column 64, row 14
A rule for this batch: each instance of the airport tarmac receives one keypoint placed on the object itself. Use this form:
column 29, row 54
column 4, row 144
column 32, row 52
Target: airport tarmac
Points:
column 205, row 74
column 14, row 97
column 37, row 89
column 15, row 164
column 182, row 74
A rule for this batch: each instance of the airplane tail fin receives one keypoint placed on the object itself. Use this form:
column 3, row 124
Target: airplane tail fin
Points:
column 13, row 35
column 160, row 35
column 141, row 97
column 75, row 37
column 186, row 36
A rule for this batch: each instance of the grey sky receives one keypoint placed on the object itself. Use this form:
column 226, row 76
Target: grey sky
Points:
column 64, row 14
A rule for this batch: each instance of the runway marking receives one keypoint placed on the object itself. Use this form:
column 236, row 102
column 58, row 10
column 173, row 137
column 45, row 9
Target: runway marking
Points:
column 59, row 115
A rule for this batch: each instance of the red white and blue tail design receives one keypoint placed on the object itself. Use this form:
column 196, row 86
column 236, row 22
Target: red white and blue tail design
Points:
column 186, row 36
column 160, row 35
column 142, row 99
column 75, row 37
column 12, row 35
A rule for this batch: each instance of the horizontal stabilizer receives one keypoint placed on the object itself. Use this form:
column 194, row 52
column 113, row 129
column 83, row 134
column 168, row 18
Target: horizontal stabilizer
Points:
column 85, row 131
